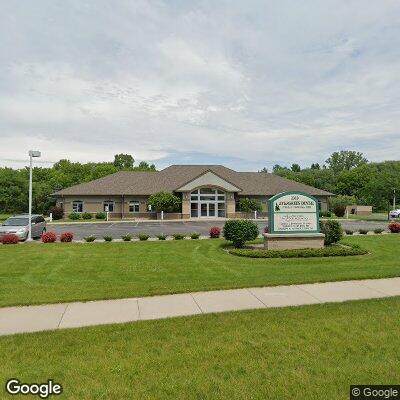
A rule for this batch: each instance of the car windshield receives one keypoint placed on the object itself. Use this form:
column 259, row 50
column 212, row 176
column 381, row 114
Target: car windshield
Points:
column 16, row 222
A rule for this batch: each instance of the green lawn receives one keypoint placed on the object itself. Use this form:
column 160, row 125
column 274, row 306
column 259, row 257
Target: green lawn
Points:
column 45, row 273
column 373, row 217
column 311, row 352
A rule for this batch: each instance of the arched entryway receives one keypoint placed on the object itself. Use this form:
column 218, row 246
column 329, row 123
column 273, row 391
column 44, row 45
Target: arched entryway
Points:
column 207, row 202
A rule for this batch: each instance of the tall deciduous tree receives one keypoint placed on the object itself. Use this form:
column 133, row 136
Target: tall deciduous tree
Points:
column 345, row 160
column 123, row 161
column 295, row 168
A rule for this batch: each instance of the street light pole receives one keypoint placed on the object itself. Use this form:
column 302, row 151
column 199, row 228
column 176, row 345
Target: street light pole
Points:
column 32, row 153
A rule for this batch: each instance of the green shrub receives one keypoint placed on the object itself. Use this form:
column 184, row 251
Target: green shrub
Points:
column 195, row 235
column 127, row 237
column 90, row 238
column 378, row 230
column 325, row 214
column 333, row 231
column 143, row 236
column 333, row 251
column 108, row 238
column 249, row 205
column 74, row 216
column 178, row 236
column 165, row 201
column 363, row 231
column 239, row 231
column 86, row 216
column 100, row 215
column 349, row 232
column 161, row 237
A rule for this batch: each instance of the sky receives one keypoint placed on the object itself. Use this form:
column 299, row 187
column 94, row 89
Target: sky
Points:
column 247, row 84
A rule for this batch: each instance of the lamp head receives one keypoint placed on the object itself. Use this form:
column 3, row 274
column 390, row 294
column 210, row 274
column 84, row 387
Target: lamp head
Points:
column 34, row 153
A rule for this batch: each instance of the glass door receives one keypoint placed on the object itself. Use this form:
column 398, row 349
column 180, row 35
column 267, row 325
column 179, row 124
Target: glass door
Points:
column 211, row 209
column 203, row 210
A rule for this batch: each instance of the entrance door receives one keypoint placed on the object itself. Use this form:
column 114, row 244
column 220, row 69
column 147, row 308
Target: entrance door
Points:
column 211, row 209
column 207, row 209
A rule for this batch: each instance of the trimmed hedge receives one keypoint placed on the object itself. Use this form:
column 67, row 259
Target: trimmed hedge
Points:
column 100, row 215
column 9, row 238
column 333, row 231
column 215, row 232
column 334, row 251
column 394, row 227
column 49, row 237
column 66, row 237
column 240, row 231
column 87, row 215
column 74, row 216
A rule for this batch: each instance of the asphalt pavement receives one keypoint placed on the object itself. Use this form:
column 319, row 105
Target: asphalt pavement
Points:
column 117, row 229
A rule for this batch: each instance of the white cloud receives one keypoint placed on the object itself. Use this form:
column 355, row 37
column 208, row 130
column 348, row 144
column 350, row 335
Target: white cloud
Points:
column 269, row 82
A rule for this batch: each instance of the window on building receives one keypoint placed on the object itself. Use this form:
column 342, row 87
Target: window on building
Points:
column 108, row 206
column 77, row 206
column 134, row 206
column 207, row 202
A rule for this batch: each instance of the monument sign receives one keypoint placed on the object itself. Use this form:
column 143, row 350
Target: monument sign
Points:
column 293, row 212
column 293, row 222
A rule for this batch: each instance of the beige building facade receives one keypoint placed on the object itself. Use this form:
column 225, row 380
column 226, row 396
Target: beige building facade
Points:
column 205, row 192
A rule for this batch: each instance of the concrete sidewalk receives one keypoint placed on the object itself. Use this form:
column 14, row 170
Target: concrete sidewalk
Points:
column 71, row 315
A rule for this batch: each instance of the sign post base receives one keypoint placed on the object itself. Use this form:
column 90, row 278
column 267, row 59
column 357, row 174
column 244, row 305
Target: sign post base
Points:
column 274, row 241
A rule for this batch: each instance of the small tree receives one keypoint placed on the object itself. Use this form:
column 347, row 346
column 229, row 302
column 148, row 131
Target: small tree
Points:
column 239, row 231
column 333, row 231
column 165, row 201
column 249, row 205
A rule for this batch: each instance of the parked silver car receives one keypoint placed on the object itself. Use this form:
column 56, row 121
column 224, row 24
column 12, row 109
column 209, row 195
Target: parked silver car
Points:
column 19, row 225
column 394, row 214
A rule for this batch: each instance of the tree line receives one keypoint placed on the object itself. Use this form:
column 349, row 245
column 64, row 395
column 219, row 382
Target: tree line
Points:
column 345, row 173
column 350, row 174
column 64, row 173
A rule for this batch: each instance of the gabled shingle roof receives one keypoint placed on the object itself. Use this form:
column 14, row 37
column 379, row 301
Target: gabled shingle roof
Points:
column 175, row 176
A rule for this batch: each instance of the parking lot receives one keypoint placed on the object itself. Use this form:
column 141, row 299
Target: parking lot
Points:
column 117, row 229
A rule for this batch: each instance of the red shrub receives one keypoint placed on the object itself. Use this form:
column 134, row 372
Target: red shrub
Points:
column 215, row 232
column 9, row 238
column 66, row 237
column 394, row 227
column 49, row 237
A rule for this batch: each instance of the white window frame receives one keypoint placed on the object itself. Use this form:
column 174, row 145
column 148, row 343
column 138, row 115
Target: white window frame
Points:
column 77, row 203
column 213, row 196
column 134, row 203
column 108, row 202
